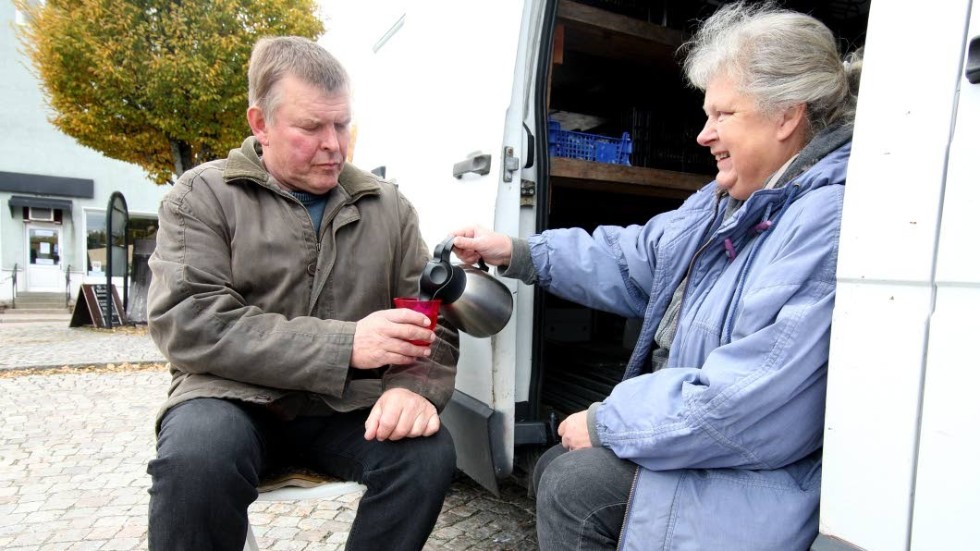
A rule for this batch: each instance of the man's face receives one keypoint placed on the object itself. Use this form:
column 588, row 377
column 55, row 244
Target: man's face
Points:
column 305, row 143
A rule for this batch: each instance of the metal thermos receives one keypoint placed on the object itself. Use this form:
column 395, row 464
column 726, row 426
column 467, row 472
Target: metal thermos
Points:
column 475, row 302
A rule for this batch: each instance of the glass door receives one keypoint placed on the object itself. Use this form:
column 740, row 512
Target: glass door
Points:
column 44, row 272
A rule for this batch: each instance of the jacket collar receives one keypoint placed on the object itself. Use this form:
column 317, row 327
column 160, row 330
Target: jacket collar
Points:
column 245, row 163
column 820, row 146
column 823, row 162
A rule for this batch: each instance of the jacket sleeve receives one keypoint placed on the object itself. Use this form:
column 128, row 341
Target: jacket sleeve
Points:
column 203, row 325
column 757, row 401
column 614, row 269
column 433, row 377
column 570, row 261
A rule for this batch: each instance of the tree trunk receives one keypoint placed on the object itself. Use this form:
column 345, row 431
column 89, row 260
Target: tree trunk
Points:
column 183, row 159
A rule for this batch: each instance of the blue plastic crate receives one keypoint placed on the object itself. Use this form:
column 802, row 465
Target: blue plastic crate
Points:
column 588, row 147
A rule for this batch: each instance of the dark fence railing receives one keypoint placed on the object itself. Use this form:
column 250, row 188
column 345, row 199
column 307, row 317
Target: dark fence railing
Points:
column 68, row 286
column 13, row 286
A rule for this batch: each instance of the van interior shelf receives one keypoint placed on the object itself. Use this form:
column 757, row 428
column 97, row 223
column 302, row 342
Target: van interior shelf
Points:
column 621, row 72
column 625, row 179
column 611, row 35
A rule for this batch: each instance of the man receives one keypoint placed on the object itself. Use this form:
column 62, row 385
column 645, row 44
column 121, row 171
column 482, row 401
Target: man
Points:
column 273, row 279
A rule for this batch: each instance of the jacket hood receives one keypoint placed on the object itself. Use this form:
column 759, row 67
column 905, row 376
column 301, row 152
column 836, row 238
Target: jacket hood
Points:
column 821, row 163
column 822, row 145
column 828, row 141
column 245, row 163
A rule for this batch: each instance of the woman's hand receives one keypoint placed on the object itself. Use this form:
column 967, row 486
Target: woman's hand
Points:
column 574, row 431
column 475, row 242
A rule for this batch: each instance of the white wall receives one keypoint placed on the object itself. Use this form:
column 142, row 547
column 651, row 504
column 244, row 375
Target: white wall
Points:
column 32, row 145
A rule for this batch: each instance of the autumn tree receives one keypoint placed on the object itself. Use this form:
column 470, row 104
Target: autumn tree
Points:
column 158, row 83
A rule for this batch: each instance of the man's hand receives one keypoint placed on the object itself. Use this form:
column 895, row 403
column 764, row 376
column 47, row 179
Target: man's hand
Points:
column 401, row 413
column 476, row 242
column 574, row 431
column 382, row 338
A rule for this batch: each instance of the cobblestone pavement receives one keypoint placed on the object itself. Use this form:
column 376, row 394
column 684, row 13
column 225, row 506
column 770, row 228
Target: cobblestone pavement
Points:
column 51, row 344
column 74, row 443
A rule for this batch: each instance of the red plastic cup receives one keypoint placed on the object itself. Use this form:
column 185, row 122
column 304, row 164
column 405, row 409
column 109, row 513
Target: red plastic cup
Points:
column 428, row 307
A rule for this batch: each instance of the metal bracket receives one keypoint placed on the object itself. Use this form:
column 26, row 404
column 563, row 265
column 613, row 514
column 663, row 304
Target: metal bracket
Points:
column 511, row 163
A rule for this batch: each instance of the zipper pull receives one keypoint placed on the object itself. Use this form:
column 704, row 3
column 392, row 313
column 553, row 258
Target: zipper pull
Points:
column 729, row 249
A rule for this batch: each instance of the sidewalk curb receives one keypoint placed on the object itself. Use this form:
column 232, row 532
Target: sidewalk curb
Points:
column 58, row 369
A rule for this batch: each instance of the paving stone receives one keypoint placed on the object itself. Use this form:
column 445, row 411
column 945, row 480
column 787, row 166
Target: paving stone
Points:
column 75, row 441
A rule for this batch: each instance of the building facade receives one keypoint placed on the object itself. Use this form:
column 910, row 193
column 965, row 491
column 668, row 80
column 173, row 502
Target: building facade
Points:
column 54, row 192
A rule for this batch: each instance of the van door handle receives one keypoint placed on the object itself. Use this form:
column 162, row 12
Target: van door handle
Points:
column 478, row 164
column 973, row 61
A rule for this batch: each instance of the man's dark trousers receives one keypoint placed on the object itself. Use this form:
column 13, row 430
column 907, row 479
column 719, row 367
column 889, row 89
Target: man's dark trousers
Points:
column 211, row 454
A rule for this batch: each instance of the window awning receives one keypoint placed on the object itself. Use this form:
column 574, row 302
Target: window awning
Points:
column 39, row 202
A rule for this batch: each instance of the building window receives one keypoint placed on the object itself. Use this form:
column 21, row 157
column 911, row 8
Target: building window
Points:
column 95, row 241
column 140, row 227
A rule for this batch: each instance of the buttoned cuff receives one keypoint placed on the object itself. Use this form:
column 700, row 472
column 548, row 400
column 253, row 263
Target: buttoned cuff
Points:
column 591, row 423
column 521, row 266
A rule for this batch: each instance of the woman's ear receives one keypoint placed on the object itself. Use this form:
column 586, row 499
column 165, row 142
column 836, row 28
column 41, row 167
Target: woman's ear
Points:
column 792, row 121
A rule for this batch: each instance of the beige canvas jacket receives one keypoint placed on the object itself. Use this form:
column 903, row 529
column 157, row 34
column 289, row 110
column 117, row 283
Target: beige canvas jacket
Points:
column 247, row 303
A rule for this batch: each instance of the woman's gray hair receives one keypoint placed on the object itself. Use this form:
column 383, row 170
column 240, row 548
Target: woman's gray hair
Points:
column 273, row 58
column 778, row 57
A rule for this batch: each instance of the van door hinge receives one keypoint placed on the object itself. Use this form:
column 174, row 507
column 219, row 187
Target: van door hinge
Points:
column 528, row 190
column 511, row 163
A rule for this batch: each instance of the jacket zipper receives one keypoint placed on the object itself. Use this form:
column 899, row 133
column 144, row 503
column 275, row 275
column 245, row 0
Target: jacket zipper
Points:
column 690, row 267
column 629, row 507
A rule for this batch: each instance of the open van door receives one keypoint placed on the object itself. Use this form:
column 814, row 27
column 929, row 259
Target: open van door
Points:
column 440, row 109
column 947, row 491
column 901, row 420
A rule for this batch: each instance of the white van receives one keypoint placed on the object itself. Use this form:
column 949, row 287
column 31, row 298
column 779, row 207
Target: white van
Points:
column 455, row 103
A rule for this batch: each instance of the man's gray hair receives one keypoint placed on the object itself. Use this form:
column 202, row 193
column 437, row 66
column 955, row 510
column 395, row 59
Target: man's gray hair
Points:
column 779, row 58
column 273, row 58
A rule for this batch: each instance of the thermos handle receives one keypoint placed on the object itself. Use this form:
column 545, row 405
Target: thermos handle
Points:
column 444, row 249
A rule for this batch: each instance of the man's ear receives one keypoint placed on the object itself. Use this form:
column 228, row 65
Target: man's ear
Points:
column 792, row 120
column 256, row 119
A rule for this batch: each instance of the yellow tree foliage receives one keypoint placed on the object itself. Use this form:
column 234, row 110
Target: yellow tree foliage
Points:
column 158, row 83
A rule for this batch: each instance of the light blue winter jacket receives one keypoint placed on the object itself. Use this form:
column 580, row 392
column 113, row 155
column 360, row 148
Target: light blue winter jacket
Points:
column 729, row 435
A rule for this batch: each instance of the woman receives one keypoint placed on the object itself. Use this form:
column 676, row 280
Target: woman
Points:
column 713, row 439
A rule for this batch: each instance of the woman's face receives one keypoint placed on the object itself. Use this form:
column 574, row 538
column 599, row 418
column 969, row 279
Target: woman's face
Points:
column 748, row 145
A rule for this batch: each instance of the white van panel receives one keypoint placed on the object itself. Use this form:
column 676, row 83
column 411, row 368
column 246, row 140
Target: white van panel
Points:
column 448, row 81
column 886, row 291
column 947, row 489
column 872, row 411
column 439, row 119
column 441, row 116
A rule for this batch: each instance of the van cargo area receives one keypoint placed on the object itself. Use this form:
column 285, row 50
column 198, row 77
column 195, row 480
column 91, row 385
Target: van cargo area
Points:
column 615, row 73
column 542, row 114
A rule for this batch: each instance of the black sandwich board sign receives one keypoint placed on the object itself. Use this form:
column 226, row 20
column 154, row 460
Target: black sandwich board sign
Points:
column 90, row 307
